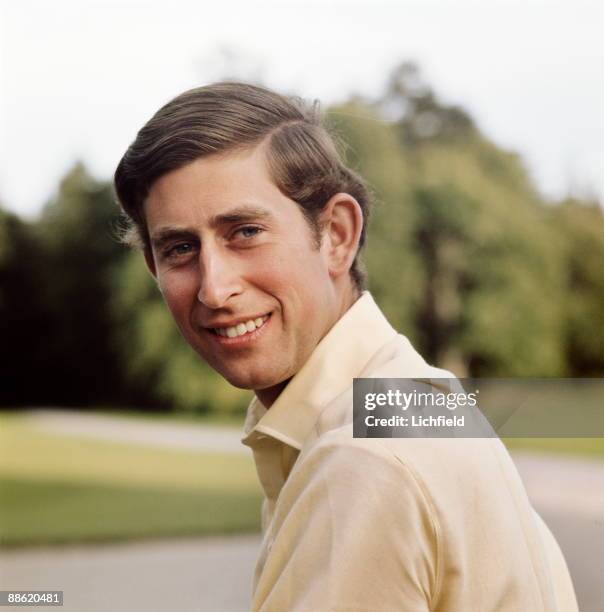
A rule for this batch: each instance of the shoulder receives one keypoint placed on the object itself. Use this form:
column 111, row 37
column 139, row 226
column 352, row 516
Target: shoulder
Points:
column 399, row 359
column 360, row 484
column 442, row 473
column 361, row 468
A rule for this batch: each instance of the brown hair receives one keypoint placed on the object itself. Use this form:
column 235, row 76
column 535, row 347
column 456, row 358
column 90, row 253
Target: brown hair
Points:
column 301, row 155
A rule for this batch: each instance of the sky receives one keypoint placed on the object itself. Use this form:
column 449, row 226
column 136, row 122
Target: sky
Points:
column 79, row 78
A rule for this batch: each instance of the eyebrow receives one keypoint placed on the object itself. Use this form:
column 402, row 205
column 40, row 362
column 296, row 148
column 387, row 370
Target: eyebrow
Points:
column 241, row 214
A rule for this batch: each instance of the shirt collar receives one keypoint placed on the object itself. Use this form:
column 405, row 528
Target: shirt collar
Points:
column 328, row 372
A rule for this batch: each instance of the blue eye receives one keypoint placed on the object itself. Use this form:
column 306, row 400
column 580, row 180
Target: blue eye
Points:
column 180, row 249
column 249, row 231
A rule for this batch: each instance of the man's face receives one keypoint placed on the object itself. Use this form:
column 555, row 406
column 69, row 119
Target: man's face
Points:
column 230, row 250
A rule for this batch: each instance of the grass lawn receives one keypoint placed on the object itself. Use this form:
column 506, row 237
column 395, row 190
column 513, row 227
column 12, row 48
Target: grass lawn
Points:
column 590, row 447
column 57, row 489
column 226, row 419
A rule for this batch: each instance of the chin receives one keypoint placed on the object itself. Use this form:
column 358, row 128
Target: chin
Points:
column 249, row 380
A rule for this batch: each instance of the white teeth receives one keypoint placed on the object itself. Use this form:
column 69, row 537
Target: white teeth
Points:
column 241, row 328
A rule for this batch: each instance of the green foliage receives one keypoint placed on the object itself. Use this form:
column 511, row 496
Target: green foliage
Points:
column 463, row 255
column 23, row 315
column 392, row 264
column 492, row 277
column 579, row 229
column 76, row 232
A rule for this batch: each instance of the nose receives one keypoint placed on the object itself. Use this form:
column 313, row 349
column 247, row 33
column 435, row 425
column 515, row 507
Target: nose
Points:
column 219, row 278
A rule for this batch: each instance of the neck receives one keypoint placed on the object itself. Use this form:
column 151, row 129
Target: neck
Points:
column 269, row 395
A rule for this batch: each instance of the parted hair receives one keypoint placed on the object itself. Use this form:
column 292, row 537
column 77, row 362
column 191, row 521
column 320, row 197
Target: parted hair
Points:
column 301, row 155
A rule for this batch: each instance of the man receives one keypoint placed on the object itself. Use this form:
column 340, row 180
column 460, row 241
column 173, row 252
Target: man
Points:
column 252, row 226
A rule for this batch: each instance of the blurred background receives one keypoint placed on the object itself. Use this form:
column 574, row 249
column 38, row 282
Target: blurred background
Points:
column 479, row 128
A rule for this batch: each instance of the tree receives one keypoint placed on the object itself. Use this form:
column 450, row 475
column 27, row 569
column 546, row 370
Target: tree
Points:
column 372, row 148
column 580, row 237
column 23, row 318
column 461, row 253
column 77, row 233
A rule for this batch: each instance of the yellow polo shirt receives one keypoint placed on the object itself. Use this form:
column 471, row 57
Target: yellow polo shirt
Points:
column 393, row 524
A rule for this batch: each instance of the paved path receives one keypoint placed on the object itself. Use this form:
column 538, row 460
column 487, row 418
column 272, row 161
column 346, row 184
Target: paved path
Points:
column 566, row 486
column 201, row 575
column 186, row 436
column 569, row 495
column 214, row 574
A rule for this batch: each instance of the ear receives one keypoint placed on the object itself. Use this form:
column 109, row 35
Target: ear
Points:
column 150, row 261
column 342, row 222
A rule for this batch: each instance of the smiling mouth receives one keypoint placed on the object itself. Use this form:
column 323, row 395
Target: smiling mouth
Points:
column 241, row 329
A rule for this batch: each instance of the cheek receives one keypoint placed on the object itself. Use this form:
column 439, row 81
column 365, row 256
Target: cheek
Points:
column 271, row 272
column 179, row 291
column 293, row 265
column 297, row 280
